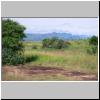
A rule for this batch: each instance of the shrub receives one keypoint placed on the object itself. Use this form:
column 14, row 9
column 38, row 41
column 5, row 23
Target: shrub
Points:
column 92, row 50
column 55, row 43
column 93, row 45
column 12, row 47
column 58, row 44
column 46, row 43
column 34, row 47
column 93, row 40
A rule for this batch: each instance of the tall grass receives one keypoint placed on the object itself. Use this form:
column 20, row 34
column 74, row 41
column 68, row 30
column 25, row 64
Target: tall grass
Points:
column 73, row 58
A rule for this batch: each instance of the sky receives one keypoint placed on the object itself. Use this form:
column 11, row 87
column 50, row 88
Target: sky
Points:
column 79, row 26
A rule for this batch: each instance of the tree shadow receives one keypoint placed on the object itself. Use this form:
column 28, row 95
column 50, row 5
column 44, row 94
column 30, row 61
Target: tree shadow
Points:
column 31, row 58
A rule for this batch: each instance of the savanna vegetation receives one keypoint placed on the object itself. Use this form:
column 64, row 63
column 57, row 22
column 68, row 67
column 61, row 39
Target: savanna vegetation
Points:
column 12, row 47
column 55, row 43
column 50, row 59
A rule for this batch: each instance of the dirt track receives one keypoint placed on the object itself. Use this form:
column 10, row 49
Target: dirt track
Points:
column 48, row 70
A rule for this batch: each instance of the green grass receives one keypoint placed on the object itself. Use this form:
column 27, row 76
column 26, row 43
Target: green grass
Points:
column 73, row 58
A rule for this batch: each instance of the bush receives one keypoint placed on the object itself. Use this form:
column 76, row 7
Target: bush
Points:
column 92, row 50
column 30, row 58
column 10, row 58
column 93, row 40
column 93, row 45
column 45, row 43
column 34, row 47
column 12, row 47
column 54, row 43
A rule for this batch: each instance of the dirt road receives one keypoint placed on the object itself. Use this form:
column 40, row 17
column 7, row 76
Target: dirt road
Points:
column 36, row 70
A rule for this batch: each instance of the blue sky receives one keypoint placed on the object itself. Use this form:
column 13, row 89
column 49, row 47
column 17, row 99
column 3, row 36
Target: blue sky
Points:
column 81, row 26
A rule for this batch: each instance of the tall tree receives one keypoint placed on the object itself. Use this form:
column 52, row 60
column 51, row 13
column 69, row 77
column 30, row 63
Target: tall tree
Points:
column 12, row 35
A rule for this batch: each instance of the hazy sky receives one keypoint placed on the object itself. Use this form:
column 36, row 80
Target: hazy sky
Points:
column 83, row 26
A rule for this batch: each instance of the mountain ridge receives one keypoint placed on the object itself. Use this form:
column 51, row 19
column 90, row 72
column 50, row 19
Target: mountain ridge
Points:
column 64, row 36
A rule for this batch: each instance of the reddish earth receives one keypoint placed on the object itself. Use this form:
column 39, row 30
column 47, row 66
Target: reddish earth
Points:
column 48, row 70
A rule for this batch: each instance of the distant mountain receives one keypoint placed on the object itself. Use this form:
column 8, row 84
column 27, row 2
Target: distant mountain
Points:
column 64, row 36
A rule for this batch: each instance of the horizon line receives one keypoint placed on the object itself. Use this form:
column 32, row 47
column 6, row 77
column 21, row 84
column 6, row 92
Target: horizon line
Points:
column 61, row 33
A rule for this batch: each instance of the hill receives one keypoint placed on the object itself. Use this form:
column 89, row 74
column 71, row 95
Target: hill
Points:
column 64, row 36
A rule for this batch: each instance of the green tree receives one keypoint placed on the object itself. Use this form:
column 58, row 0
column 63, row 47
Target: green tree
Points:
column 46, row 43
column 93, row 45
column 55, row 43
column 93, row 40
column 58, row 44
column 12, row 47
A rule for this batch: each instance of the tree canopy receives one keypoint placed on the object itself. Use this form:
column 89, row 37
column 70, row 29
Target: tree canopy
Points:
column 12, row 35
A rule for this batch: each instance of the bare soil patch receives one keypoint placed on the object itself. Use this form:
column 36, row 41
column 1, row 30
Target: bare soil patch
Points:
column 25, row 71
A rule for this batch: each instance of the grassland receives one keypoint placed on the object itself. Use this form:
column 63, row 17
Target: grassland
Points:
column 72, row 59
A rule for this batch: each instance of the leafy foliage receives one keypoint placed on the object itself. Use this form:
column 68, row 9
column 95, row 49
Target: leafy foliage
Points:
column 92, row 50
column 93, row 43
column 93, row 40
column 55, row 43
column 12, row 48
